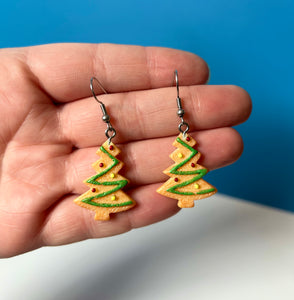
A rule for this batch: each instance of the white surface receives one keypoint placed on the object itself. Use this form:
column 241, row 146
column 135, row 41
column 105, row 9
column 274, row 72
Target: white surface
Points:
column 222, row 249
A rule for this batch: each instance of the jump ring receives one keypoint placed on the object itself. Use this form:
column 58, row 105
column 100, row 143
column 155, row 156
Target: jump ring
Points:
column 186, row 129
column 113, row 133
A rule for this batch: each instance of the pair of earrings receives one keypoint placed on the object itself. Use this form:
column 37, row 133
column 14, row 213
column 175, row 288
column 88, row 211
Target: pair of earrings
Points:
column 185, row 184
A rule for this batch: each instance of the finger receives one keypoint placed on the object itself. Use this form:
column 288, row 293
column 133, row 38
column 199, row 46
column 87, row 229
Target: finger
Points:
column 152, row 114
column 64, row 70
column 68, row 223
column 145, row 160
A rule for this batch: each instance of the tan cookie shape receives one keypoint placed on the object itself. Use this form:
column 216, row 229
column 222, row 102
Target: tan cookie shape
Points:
column 105, row 195
column 185, row 183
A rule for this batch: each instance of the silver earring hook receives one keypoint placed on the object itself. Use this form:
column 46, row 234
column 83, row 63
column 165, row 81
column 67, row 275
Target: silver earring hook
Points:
column 180, row 111
column 176, row 79
column 92, row 88
column 110, row 132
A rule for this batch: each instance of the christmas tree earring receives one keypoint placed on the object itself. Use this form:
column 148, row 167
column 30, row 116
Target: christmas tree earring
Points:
column 185, row 183
column 105, row 195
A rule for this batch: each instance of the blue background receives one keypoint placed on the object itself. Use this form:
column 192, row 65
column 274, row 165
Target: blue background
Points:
column 246, row 43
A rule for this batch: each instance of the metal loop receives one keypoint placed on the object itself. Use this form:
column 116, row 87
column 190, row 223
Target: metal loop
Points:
column 183, row 131
column 113, row 133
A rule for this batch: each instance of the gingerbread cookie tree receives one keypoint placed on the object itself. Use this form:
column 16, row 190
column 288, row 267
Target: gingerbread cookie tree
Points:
column 105, row 195
column 186, row 183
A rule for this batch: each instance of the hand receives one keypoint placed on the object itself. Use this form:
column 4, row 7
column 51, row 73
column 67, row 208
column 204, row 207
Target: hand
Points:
column 51, row 128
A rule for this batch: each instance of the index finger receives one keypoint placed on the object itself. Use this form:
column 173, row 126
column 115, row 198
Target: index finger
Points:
column 64, row 70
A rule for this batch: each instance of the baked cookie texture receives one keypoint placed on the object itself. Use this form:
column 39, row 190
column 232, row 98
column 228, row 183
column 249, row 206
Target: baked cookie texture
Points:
column 105, row 195
column 185, row 183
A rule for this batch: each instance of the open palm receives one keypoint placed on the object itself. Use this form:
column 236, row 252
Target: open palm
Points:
column 51, row 128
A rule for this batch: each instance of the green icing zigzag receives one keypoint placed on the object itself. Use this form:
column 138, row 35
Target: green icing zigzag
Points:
column 119, row 185
column 200, row 173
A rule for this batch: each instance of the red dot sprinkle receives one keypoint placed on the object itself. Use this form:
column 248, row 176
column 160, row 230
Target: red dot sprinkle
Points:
column 188, row 139
column 110, row 147
column 93, row 190
column 176, row 179
column 101, row 165
column 192, row 165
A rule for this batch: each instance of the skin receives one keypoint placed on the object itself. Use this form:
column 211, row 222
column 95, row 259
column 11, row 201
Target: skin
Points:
column 51, row 128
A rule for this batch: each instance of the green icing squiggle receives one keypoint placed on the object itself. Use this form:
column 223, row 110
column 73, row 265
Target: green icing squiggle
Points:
column 109, row 204
column 206, row 191
column 115, row 162
column 119, row 185
column 200, row 173
column 174, row 170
